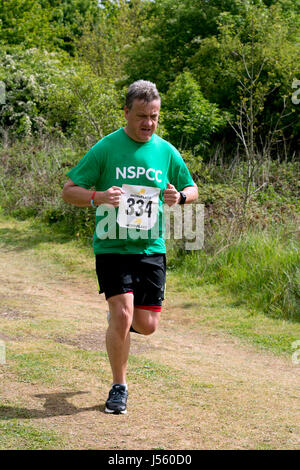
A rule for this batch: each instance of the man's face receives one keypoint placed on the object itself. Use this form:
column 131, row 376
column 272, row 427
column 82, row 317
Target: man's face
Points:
column 142, row 119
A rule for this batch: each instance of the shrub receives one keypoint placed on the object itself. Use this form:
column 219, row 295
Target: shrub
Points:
column 31, row 182
column 189, row 118
column 47, row 95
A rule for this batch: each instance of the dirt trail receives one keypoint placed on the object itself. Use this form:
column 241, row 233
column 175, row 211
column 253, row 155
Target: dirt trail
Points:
column 210, row 390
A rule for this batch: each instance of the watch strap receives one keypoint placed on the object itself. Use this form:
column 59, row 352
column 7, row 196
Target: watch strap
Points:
column 182, row 197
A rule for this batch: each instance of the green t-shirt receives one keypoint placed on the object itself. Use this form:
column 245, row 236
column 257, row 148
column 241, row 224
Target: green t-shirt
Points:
column 117, row 160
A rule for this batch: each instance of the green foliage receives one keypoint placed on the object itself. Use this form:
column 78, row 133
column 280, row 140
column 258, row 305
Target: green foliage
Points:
column 189, row 118
column 172, row 36
column 84, row 106
column 104, row 43
column 48, row 24
column 29, row 76
column 212, row 40
column 27, row 23
column 47, row 94
column 263, row 270
column 260, row 269
column 197, row 168
column 261, row 44
column 42, row 171
column 221, row 43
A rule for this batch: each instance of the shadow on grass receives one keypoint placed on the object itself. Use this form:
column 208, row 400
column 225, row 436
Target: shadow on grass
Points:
column 188, row 305
column 56, row 404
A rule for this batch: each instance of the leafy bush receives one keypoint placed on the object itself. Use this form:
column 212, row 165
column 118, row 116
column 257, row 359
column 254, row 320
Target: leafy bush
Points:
column 31, row 181
column 47, row 94
column 29, row 77
column 254, row 53
column 51, row 25
column 189, row 118
column 84, row 106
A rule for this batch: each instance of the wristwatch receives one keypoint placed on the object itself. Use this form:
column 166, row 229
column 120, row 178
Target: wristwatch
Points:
column 182, row 197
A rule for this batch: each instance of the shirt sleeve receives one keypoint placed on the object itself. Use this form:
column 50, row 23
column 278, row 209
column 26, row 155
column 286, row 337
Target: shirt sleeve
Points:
column 179, row 174
column 87, row 172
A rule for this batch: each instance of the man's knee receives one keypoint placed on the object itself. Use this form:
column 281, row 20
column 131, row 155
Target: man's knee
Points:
column 123, row 317
column 146, row 325
column 120, row 316
column 150, row 329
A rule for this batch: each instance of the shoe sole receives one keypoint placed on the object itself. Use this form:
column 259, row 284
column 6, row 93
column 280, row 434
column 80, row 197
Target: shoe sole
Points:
column 116, row 412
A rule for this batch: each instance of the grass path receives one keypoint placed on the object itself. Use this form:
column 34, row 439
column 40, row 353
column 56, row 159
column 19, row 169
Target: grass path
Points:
column 191, row 386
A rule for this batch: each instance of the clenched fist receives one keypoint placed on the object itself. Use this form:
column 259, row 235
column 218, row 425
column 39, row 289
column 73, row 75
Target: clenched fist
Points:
column 111, row 196
column 171, row 195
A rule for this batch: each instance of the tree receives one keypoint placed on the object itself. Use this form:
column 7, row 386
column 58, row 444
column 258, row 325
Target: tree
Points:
column 261, row 50
column 48, row 24
column 172, row 35
column 84, row 106
column 255, row 87
column 26, row 23
column 49, row 93
column 104, row 42
column 28, row 76
column 189, row 118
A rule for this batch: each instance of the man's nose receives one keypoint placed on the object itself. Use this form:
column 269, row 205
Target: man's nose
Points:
column 147, row 122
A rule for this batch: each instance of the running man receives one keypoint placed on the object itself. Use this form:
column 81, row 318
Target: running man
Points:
column 132, row 172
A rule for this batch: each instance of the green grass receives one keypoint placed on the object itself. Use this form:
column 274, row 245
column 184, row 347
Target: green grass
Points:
column 37, row 367
column 153, row 371
column 214, row 308
column 15, row 435
column 46, row 362
column 49, row 242
column 261, row 270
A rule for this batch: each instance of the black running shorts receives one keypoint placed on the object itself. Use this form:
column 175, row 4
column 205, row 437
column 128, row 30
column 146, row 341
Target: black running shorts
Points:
column 144, row 275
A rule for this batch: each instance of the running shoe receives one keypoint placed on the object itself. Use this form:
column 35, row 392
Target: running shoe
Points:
column 117, row 399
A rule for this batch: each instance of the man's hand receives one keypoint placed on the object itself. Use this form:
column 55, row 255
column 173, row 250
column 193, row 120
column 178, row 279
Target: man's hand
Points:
column 81, row 197
column 171, row 195
column 111, row 196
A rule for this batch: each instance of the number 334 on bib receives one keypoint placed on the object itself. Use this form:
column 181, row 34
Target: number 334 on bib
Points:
column 138, row 207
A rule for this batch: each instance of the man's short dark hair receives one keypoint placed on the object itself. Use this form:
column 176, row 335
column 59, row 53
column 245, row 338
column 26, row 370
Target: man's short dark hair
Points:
column 141, row 90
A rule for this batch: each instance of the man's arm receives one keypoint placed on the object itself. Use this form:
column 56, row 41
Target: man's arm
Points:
column 81, row 197
column 172, row 196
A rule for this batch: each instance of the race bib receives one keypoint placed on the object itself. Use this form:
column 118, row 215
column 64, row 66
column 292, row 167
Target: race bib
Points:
column 138, row 207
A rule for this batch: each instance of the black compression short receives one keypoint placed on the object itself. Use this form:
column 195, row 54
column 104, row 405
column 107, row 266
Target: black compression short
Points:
column 144, row 275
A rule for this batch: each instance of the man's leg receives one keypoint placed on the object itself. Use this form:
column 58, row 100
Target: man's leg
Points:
column 145, row 321
column 150, row 280
column 118, row 336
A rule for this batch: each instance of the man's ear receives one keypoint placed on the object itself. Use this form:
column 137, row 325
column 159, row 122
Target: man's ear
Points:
column 126, row 111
